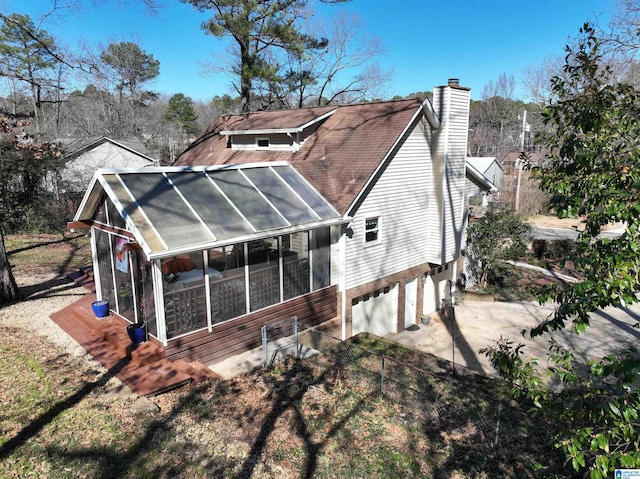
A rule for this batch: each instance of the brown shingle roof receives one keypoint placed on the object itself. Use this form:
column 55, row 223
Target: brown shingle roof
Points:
column 266, row 120
column 338, row 158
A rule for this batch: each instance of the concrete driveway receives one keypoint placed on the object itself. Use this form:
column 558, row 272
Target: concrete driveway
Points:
column 478, row 324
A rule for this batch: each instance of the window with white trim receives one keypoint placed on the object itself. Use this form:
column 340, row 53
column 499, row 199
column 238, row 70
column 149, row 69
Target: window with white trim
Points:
column 371, row 230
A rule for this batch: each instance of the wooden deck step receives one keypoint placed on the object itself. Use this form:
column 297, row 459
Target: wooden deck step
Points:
column 84, row 277
column 153, row 379
column 198, row 371
column 142, row 367
column 141, row 354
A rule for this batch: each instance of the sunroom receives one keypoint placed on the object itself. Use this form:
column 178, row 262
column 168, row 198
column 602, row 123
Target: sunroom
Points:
column 186, row 250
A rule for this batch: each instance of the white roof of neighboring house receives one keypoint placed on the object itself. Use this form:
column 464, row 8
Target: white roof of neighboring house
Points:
column 475, row 175
column 483, row 163
column 75, row 147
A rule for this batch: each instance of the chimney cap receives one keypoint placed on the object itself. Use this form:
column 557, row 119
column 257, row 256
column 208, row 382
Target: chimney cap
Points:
column 455, row 84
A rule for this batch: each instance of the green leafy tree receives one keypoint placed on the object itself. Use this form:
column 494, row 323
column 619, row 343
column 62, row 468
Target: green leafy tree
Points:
column 9, row 291
column 125, row 70
column 180, row 110
column 131, row 67
column 593, row 172
column 499, row 236
column 27, row 56
column 258, row 28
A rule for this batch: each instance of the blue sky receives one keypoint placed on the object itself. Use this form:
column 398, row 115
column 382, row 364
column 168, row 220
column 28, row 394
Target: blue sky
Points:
column 425, row 42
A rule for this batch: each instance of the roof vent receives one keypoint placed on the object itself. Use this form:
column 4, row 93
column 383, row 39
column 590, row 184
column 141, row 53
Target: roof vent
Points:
column 454, row 81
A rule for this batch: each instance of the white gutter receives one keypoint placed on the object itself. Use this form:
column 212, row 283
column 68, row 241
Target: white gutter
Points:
column 491, row 188
column 432, row 116
column 286, row 130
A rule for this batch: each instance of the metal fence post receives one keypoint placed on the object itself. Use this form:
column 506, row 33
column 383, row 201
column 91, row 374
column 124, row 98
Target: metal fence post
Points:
column 295, row 335
column 265, row 343
column 382, row 377
column 495, row 442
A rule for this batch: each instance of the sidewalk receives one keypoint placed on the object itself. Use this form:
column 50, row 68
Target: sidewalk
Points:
column 479, row 324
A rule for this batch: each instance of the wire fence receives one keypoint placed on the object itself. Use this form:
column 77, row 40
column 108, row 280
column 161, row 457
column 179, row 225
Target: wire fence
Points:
column 439, row 402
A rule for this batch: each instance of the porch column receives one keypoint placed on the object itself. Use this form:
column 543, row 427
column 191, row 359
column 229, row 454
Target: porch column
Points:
column 158, row 298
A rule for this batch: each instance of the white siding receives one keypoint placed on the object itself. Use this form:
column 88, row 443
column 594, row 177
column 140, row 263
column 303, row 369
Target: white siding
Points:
column 448, row 208
column 79, row 172
column 400, row 198
column 434, row 238
column 454, row 206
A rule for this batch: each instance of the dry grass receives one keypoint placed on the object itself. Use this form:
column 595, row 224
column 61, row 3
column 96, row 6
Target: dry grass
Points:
column 47, row 253
column 311, row 419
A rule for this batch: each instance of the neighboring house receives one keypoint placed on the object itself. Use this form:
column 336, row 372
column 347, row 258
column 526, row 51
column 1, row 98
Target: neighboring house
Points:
column 349, row 213
column 83, row 156
column 484, row 177
column 479, row 190
column 489, row 167
column 511, row 161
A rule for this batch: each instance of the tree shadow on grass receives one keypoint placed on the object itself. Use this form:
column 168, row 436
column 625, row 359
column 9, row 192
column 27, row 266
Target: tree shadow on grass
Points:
column 38, row 424
column 288, row 392
column 45, row 243
column 55, row 286
column 124, row 464
column 51, row 287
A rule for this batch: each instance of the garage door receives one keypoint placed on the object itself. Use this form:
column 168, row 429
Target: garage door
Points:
column 377, row 312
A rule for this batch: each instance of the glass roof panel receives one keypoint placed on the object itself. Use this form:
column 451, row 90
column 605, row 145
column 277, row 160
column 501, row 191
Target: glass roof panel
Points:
column 176, row 223
column 214, row 209
column 144, row 227
column 286, row 201
column 323, row 209
column 247, row 199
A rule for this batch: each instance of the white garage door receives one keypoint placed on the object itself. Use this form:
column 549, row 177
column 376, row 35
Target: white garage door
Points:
column 376, row 313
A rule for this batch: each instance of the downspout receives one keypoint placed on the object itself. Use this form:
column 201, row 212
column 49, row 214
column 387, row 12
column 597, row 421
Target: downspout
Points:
column 342, row 280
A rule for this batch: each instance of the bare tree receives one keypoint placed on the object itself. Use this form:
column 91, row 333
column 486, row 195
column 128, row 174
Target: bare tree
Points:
column 537, row 80
column 346, row 71
column 496, row 120
column 620, row 36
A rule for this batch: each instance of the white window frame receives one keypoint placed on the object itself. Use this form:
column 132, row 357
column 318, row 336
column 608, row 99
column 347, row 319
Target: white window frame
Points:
column 376, row 229
column 261, row 138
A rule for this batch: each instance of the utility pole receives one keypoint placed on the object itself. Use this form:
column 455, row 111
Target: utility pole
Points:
column 518, row 163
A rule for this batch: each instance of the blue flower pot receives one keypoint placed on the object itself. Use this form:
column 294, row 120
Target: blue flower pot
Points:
column 137, row 332
column 100, row 308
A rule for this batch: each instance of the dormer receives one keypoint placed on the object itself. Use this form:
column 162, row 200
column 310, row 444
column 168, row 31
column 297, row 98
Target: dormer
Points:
column 259, row 132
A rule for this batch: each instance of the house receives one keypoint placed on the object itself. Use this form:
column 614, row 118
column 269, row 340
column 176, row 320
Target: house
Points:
column 351, row 215
column 511, row 161
column 489, row 167
column 83, row 156
column 484, row 177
